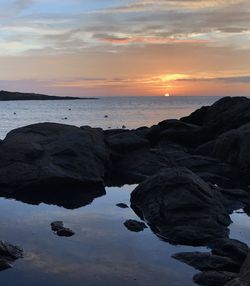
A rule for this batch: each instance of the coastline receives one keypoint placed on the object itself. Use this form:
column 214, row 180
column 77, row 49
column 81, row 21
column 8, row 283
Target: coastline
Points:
column 191, row 174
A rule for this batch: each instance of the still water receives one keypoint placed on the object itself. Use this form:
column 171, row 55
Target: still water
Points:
column 102, row 252
column 133, row 112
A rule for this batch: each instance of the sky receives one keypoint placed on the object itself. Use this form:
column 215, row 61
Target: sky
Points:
column 125, row 47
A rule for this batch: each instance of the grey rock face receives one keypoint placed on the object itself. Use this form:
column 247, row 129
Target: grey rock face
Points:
column 181, row 208
column 49, row 154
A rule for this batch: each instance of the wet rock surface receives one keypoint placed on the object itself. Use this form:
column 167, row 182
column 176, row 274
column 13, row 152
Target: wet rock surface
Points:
column 134, row 225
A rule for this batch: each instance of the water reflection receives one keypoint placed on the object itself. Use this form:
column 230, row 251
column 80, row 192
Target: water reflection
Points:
column 69, row 197
column 103, row 251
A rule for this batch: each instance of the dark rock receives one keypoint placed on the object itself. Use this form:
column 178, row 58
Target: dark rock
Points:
column 181, row 208
column 213, row 278
column 205, row 261
column 225, row 114
column 232, row 147
column 10, row 251
column 57, row 226
column 8, row 254
column 122, row 205
column 126, row 142
column 4, row 264
column 65, row 232
column 235, row 282
column 52, row 155
column 232, row 248
column 134, row 225
column 69, row 196
column 197, row 117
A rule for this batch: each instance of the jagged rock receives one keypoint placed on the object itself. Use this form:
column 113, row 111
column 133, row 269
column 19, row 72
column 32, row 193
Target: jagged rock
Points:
column 213, row 278
column 134, row 225
column 232, row 147
column 181, row 208
column 8, row 254
column 52, row 155
column 232, row 248
column 205, row 261
column 225, row 114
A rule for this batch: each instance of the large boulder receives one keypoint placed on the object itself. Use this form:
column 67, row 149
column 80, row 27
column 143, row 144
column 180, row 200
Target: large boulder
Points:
column 181, row 208
column 52, row 155
column 232, row 147
column 225, row 114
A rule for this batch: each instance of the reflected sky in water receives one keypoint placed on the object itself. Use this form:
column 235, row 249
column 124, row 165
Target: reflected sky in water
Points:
column 103, row 251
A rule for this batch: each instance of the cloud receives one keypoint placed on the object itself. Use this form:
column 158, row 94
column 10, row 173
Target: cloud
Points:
column 232, row 79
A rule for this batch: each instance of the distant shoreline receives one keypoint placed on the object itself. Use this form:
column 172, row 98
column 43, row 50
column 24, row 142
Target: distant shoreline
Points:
column 17, row 96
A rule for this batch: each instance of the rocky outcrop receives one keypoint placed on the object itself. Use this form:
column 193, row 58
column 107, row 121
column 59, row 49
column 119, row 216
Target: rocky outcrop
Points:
column 8, row 254
column 181, row 208
column 52, row 155
column 225, row 114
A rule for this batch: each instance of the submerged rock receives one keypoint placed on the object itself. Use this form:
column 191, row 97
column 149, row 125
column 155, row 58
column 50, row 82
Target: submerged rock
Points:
column 181, row 208
column 134, row 225
column 57, row 226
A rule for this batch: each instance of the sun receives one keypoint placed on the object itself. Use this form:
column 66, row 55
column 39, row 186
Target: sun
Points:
column 166, row 94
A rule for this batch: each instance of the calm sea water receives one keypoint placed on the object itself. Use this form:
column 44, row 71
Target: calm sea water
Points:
column 132, row 112
column 103, row 251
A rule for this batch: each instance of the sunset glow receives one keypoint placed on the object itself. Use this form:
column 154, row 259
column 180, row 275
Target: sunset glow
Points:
column 132, row 47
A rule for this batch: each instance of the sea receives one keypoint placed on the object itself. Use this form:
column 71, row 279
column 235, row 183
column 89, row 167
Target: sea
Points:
column 103, row 252
column 106, row 112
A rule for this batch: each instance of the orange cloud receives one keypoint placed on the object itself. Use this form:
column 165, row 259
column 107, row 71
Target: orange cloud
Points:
column 151, row 40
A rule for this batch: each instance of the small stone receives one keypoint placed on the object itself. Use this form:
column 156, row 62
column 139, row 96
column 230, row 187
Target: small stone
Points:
column 122, row 205
column 65, row 232
column 134, row 225
column 56, row 225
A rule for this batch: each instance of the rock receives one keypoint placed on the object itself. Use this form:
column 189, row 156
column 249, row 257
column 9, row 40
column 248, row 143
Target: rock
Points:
column 197, row 117
column 205, row 261
column 225, row 114
column 50, row 155
column 10, row 251
column 181, row 208
column 213, row 278
column 232, row 248
column 4, row 264
column 126, row 141
column 8, row 254
column 235, row 282
column 232, row 147
column 121, row 205
column 178, row 132
column 134, row 225
column 60, row 230
column 56, row 225
column 65, row 232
